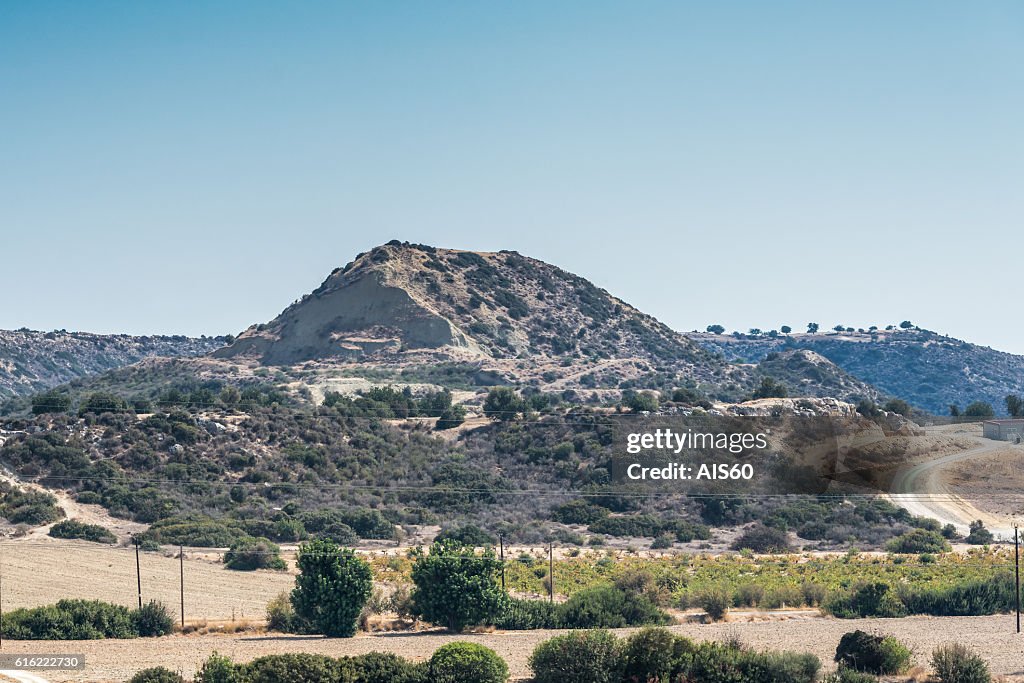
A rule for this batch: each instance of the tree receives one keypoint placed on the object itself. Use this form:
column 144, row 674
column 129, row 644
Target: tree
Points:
column 503, row 404
column 1014, row 406
column 50, row 402
column 979, row 409
column 979, row 534
column 867, row 408
column 715, row 329
column 898, row 406
column 812, row 328
column 769, row 388
column 786, row 329
column 839, row 328
column 906, row 325
column 755, row 331
column 640, row 401
column 954, row 410
column 103, row 402
column 331, row 589
column 456, row 587
column 247, row 554
column 451, row 417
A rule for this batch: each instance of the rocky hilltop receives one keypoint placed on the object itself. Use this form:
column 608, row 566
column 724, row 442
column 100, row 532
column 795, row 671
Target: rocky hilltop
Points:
column 32, row 361
column 517, row 318
column 929, row 370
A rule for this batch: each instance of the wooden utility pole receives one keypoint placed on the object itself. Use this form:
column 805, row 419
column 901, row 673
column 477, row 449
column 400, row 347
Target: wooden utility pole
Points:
column 551, row 572
column 1016, row 573
column 501, row 546
column 181, row 566
column 138, row 571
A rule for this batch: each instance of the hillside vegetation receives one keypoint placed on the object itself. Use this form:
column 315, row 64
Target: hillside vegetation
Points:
column 926, row 369
column 33, row 361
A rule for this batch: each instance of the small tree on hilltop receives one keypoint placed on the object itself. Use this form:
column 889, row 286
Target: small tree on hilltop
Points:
column 906, row 325
column 331, row 589
column 456, row 587
column 812, row 328
column 715, row 329
column 786, row 329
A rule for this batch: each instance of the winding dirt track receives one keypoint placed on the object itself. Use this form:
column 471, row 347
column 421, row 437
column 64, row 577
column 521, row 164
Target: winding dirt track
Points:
column 921, row 492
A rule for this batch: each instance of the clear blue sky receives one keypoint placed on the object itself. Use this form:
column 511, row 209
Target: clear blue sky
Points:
column 193, row 167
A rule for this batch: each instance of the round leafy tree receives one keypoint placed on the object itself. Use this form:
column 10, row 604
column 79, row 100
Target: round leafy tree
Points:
column 467, row 663
column 332, row 586
column 456, row 587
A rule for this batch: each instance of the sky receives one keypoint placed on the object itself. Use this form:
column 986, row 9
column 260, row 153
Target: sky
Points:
column 194, row 167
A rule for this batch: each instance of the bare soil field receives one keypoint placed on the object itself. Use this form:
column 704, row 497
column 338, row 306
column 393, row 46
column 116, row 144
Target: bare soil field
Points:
column 42, row 571
column 115, row 660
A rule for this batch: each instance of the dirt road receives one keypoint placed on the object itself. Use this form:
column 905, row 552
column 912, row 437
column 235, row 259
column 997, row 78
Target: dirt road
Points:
column 114, row 660
column 920, row 491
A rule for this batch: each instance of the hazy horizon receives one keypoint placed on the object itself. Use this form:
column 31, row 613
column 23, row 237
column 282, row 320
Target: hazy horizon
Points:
column 194, row 169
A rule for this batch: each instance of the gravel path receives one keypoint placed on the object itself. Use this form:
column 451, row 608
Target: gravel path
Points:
column 994, row 637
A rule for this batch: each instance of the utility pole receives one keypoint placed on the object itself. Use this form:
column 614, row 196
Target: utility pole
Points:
column 551, row 572
column 181, row 566
column 138, row 571
column 501, row 546
column 1016, row 573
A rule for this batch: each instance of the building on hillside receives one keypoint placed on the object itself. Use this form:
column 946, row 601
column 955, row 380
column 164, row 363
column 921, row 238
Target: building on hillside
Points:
column 1004, row 430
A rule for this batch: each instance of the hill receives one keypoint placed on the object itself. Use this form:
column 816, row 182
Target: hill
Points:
column 929, row 370
column 32, row 361
column 516, row 319
column 430, row 318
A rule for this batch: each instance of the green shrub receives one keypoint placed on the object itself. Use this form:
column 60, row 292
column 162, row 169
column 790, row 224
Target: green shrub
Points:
column 973, row 598
column 196, row 531
column 869, row 600
column 845, row 674
column 979, row 535
column 654, row 654
column 153, row 619
column 281, row 616
column 217, row 669
column 467, row 663
column 748, row 595
column 331, row 589
column 605, row 606
column 468, row 534
column 525, row 615
column 248, row 554
column 578, row 657
column 384, row 667
column 296, row 668
column 72, row 528
column 157, row 674
column 457, row 587
column 70, row 620
column 918, row 541
column 955, row 663
column 763, row 539
column 874, row 654
column 712, row 662
column 715, row 602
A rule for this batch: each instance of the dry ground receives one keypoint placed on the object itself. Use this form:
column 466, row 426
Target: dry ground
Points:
column 41, row 571
column 117, row 660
